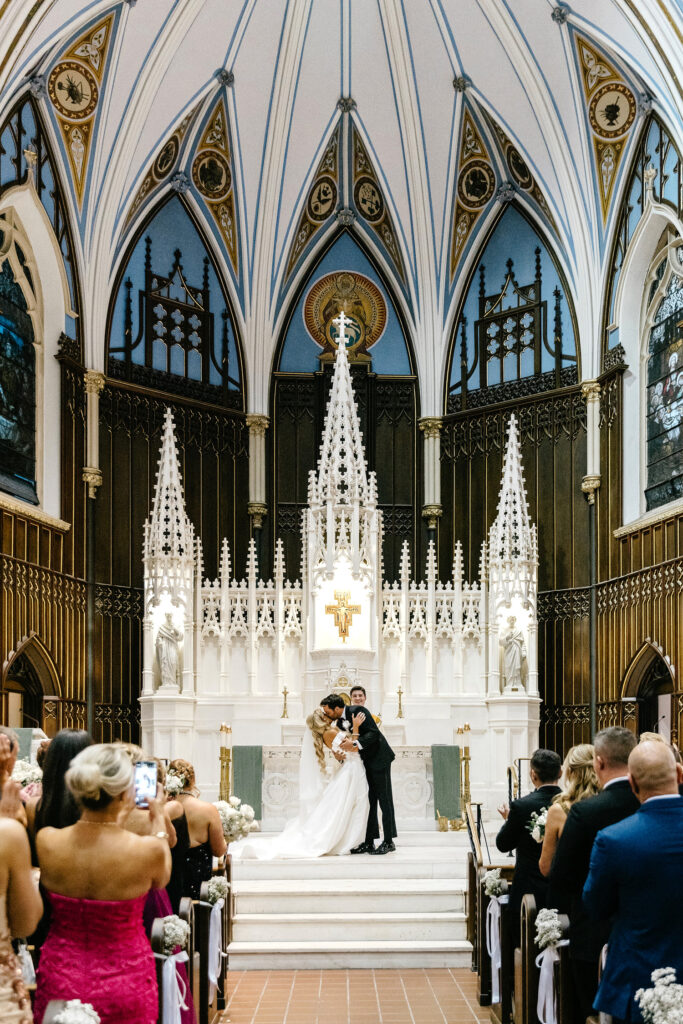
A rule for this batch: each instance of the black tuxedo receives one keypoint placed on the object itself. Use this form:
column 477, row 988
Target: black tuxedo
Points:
column 568, row 876
column 376, row 755
column 515, row 835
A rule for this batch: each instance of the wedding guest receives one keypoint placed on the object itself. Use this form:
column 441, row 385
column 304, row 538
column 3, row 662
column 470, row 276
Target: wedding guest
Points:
column 581, row 782
column 636, row 878
column 545, row 770
column 9, row 754
column 20, row 903
column 204, row 826
column 97, row 876
column 572, row 858
column 33, row 790
column 56, row 807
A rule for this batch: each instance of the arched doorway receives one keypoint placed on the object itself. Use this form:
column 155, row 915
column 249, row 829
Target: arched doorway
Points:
column 648, row 686
column 28, row 677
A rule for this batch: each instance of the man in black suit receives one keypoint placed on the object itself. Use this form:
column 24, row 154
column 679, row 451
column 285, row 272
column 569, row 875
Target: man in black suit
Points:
column 572, row 859
column 545, row 771
column 376, row 755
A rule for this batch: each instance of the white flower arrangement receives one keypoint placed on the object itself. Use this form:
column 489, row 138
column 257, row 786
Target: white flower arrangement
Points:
column 174, row 783
column 662, row 1004
column 494, row 885
column 218, row 888
column 76, row 1012
column 536, row 824
column 176, row 933
column 24, row 773
column 548, row 928
column 237, row 818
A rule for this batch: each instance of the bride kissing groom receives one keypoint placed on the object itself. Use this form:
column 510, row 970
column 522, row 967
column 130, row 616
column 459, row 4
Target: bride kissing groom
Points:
column 337, row 808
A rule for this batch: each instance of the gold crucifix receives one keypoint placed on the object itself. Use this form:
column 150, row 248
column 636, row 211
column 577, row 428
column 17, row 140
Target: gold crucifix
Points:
column 343, row 612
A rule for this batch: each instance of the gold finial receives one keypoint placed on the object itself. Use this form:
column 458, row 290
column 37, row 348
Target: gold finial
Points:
column 400, row 702
column 285, row 691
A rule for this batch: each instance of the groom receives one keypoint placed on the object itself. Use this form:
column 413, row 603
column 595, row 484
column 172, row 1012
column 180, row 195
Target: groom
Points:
column 376, row 755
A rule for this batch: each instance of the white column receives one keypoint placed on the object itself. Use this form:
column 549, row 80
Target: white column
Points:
column 431, row 428
column 92, row 474
column 591, row 392
column 257, row 507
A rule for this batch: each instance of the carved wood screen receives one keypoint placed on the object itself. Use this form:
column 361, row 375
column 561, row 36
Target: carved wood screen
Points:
column 387, row 412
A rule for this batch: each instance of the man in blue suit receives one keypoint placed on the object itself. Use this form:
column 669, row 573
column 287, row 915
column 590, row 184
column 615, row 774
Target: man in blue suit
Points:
column 636, row 876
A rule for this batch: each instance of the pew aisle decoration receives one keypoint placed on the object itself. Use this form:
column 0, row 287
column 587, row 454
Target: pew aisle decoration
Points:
column 25, row 773
column 662, row 1004
column 218, row 888
column 237, row 818
column 176, row 934
column 217, row 891
column 537, row 823
column 495, row 888
column 548, row 939
column 176, row 937
column 76, row 1012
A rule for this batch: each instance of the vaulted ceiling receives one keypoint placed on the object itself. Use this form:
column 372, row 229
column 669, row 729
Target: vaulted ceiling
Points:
column 527, row 72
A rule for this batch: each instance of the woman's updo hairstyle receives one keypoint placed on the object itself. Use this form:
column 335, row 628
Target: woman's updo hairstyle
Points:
column 98, row 774
column 185, row 771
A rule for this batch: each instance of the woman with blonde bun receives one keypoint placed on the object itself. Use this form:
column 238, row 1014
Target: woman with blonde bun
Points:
column 97, row 876
column 581, row 782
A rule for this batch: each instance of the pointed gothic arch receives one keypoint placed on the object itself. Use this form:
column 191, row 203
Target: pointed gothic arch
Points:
column 646, row 690
column 30, row 684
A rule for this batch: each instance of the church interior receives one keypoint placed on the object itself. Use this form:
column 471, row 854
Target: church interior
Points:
column 341, row 351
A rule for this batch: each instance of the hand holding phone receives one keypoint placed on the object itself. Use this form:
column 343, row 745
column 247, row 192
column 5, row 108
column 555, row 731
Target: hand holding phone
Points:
column 145, row 782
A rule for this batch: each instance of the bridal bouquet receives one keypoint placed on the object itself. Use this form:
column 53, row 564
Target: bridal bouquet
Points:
column 218, row 888
column 176, row 933
column 76, row 1012
column 536, row 824
column 662, row 1004
column 24, row 773
column 548, row 928
column 237, row 818
column 494, row 885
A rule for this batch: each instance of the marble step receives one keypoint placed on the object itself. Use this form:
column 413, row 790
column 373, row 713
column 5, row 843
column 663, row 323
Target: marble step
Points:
column 360, row 928
column 277, row 896
column 406, row 862
column 325, row 955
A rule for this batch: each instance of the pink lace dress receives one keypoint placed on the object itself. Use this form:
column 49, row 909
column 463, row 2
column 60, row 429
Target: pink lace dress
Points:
column 97, row 951
column 15, row 1005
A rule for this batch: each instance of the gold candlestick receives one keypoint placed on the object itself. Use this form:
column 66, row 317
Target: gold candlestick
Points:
column 400, row 702
column 225, row 788
column 285, row 691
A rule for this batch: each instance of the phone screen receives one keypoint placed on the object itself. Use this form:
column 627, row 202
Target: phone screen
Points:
column 145, row 782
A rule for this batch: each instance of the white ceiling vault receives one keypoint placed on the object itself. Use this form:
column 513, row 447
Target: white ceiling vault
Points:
column 517, row 66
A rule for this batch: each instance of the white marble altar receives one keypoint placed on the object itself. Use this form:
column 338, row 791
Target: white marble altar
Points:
column 242, row 642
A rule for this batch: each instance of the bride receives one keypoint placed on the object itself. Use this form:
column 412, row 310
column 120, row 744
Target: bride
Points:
column 333, row 801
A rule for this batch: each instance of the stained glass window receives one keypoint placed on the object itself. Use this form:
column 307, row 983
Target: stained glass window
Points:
column 17, row 392
column 665, row 399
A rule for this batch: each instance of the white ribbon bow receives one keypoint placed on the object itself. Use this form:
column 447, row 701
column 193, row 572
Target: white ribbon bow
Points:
column 174, row 988
column 493, row 943
column 215, row 946
column 546, row 1004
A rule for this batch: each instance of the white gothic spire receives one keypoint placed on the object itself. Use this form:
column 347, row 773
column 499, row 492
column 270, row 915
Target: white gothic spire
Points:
column 342, row 471
column 511, row 536
column 168, row 531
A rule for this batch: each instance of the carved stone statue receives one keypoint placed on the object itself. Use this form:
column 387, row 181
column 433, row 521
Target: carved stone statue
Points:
column 514, row 658
column 168, row 653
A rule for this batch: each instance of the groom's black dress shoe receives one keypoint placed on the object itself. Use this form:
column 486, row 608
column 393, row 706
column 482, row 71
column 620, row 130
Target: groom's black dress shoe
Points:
column 364, row 848
column 385, row 847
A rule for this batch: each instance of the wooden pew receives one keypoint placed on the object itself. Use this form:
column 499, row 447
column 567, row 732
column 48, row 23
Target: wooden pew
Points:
column 471, row 906
column 157, row 943
column 526, row 971
column 501, row 1011
column 186, row 913
column 224, row 870
column 483, row 958
column 206, row 1008
column 564, row 986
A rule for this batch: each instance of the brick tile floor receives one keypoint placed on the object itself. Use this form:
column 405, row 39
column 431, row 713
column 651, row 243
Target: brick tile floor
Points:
column 429, row 996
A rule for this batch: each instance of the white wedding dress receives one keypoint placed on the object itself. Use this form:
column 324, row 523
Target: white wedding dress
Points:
column 333, row 812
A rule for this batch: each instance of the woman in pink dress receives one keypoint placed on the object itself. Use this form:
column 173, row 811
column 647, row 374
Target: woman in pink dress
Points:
column 97, row 876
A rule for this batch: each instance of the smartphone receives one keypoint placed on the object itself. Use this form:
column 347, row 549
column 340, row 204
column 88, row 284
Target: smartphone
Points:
column 145, row 782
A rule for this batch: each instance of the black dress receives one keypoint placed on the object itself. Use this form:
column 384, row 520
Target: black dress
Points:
column 198, row 868
column 177, row 887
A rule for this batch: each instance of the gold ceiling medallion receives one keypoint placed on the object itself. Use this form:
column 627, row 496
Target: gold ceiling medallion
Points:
column 475, row 184
column 162, row 165
column 361, row 301
column 74, row 87
column 370, row 203
column 343, row 612
column 321, row 202
column 520, row 171
column 611, row 109
column 212, row 176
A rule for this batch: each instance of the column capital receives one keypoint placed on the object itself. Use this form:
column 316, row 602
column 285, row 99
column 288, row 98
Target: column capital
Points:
column 589, row 486
column 93, row 478
column 258, row 511
column 257, row 424
column 590, row 389
column 431, row 513
column 430, row 425
column 94, row 382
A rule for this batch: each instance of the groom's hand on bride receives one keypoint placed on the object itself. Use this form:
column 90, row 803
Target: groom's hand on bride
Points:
column 340, row 757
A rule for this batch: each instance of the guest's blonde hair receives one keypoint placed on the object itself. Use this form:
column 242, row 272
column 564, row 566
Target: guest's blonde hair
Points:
column 98, row 774
column 581, row 780
column 319, row 723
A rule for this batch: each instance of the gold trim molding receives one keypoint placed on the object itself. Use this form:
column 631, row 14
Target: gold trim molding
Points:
column 21, row 508
column 657, row 515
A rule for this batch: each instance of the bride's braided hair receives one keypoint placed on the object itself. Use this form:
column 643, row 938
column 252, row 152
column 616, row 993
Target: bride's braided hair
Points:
column 319, row 723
